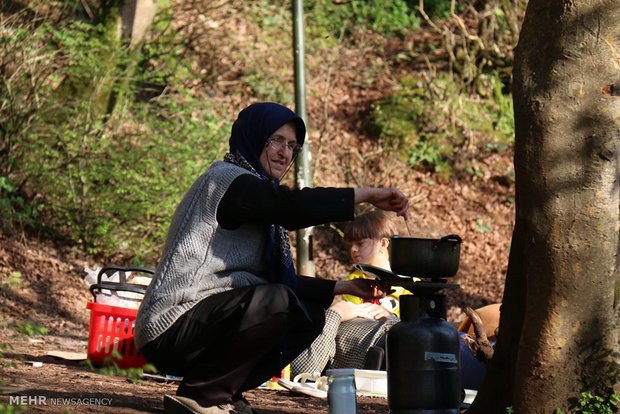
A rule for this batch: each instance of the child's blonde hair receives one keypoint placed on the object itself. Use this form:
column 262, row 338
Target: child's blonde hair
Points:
column 371, row 225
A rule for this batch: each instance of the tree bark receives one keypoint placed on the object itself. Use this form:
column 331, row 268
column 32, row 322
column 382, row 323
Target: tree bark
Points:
column 560, row 322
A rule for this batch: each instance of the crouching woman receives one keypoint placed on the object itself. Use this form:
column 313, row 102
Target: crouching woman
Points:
column 225, row 309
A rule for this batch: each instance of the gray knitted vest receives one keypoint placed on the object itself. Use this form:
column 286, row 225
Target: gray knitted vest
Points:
column 200, row 258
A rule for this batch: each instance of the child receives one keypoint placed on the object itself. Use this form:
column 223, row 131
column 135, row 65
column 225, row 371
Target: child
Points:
column 368, row 237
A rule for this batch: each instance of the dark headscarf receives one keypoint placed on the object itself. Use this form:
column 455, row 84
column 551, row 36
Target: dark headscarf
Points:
column 254, row 125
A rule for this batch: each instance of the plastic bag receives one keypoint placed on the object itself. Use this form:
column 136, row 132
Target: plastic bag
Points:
column 119, row 298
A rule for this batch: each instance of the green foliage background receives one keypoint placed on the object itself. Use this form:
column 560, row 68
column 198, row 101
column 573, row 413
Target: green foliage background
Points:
column 73, row 168
column 99, row 141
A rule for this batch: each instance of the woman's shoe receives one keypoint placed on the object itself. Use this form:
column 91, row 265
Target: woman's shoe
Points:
column 175, row 404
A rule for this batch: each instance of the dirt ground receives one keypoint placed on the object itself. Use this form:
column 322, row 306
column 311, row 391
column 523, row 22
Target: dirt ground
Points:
column 52, row 294
column 61, row 386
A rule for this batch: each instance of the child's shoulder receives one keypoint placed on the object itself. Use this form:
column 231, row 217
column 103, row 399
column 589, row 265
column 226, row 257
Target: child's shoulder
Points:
column 357, row 274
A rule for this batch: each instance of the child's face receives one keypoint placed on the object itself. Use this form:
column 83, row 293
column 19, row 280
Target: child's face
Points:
column 364, row 250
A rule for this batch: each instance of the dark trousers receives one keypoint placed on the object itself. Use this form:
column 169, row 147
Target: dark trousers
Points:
column 236, row 340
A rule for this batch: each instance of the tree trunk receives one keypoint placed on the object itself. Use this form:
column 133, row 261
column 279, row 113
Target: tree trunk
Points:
column 560, row 322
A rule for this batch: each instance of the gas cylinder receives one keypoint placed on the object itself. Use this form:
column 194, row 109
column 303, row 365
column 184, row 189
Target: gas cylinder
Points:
column 423, row 359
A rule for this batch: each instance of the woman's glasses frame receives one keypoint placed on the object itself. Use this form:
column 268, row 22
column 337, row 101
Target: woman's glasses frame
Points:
column 278, row 144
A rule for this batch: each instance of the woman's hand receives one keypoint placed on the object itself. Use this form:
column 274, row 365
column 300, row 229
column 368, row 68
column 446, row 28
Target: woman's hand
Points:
column 364, row 288
column 388, row 199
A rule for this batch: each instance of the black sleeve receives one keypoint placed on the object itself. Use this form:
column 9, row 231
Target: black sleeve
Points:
column 250, row 199
column 315, row 289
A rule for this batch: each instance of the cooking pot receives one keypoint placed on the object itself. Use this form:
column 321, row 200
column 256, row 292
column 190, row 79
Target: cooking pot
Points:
column 430, row 258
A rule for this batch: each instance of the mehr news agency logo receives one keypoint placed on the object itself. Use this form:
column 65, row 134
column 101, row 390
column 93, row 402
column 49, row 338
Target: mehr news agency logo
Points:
column 26, row 400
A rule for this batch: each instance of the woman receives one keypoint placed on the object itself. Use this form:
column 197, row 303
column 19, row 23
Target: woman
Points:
column 225, row 309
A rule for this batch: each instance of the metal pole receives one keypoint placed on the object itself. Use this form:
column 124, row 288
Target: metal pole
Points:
column 303, row 178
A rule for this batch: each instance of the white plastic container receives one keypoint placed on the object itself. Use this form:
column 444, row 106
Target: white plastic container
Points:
column 371, row 382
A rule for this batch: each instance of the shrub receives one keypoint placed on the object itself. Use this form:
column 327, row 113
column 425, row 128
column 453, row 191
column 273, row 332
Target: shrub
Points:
column 327, row 18
column 427, row 120
column 84, row 151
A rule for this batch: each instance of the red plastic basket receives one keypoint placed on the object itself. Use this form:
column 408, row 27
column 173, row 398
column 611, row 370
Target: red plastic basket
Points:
column 111, row 331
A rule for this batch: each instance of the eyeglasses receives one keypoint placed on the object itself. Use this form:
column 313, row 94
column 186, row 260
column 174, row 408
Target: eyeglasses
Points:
column 278, row 144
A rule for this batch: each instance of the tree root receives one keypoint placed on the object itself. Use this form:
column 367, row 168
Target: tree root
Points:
column 480, row 345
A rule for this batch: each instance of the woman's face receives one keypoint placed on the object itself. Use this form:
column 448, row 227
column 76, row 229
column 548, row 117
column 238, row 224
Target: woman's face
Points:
column 279, row 150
